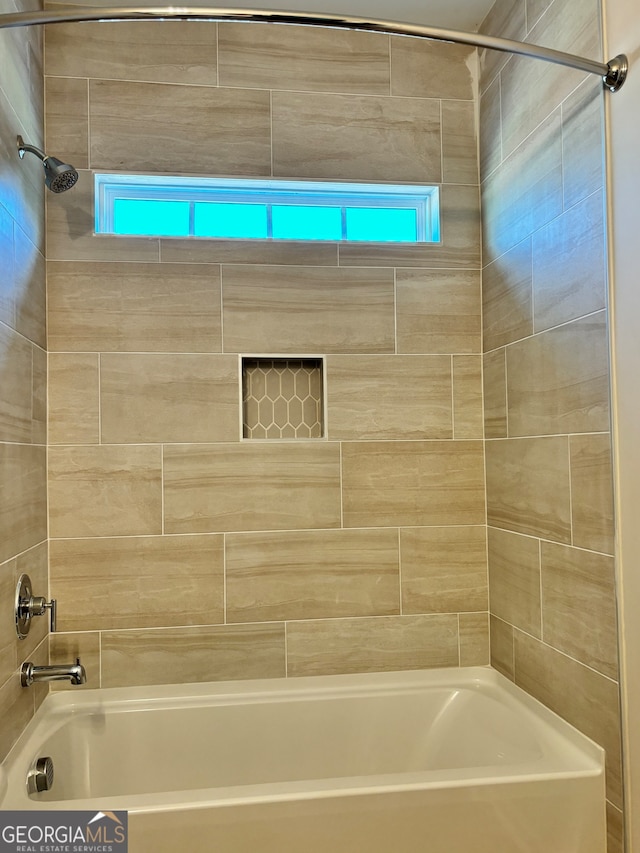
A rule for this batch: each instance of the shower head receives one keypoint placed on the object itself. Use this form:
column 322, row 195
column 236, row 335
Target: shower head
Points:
column 58, row 176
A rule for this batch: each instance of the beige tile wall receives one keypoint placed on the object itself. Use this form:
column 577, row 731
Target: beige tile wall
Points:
column 365, row 550
column 546, row 376
column 23, row 401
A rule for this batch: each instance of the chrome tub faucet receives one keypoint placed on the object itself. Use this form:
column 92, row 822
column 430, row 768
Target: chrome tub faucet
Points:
column 74, row 672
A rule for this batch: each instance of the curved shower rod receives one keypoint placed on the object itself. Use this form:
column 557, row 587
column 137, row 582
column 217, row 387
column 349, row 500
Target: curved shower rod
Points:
column 613, row 73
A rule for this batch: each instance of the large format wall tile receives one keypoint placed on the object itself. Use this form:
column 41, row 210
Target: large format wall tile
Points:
column 23, row 506
column 494, row 376
column 329, row 646
column 474, row 640
column 528, row 486
column 137, row 581
column 105, row 491
column 16, row 709
column 592, row 492
column 29, row 293
column 459, row 143
column 438, row 311
column 514, row 579
column 582, row 139
column 277, row 486
column 67, row 101
column 318, row 60
column 615, row 829
column 507, row 297
column 7, row 258
column 314, row 253
column 326, row 136
column 558, row 381
column 74, row 400
column 508, row 19
column 416, row 69
column 169, row 398
column 569, row 268
column 444, row 569
column 23, row 195
column 186, row 655
column 412, row 483
column 311, row 575
column 467, row 396
column 566, row 24
column 127, row 307
column 502, row 646
column 390, row 397
column 518, row 200
column 182, row 52
column 490, row 153
column 579, row 606
column 16, row 372
column 178, row 129
column 40, row 395
column 307, row 310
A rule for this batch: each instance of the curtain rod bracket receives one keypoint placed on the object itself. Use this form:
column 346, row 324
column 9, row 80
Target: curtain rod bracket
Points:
column 617, row 73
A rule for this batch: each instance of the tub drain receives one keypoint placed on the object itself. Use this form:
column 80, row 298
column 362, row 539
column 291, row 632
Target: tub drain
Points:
column 40, row 777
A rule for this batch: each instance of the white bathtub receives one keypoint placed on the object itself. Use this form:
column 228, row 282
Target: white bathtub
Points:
column 439, row 761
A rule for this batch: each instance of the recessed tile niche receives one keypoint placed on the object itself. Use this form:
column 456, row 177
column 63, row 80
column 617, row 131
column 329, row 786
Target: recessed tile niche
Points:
column 282, row 398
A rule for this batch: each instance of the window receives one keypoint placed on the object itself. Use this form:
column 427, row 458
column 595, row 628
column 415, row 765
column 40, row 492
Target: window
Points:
column 161, row 206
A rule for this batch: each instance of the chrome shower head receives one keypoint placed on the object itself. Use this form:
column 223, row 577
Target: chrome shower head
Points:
column 58, row 176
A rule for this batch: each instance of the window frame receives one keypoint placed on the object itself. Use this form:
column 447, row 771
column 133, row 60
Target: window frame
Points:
column 424, row 199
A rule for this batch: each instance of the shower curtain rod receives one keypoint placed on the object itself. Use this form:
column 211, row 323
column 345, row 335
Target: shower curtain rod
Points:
column 613, row 73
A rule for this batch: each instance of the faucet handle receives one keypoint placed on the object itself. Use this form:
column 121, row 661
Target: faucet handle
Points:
column 37, row 605
column 28, row 605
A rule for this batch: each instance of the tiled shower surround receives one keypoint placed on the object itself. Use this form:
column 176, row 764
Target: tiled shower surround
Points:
column 179, row 550
column 546, row 375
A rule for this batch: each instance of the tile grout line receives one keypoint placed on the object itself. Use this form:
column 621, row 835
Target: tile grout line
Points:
column 544, row 539
column 557, row 651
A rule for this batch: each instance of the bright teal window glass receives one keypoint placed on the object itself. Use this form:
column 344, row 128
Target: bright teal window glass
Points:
column 230, row 220
column 302, row 222
column 144, row 216
column 382, row 225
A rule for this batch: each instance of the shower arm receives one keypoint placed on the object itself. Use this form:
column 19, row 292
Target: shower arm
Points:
column 24, row 146
column 613, row 73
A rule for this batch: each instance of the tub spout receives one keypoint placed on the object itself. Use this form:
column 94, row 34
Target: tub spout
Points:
column 74, row 672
